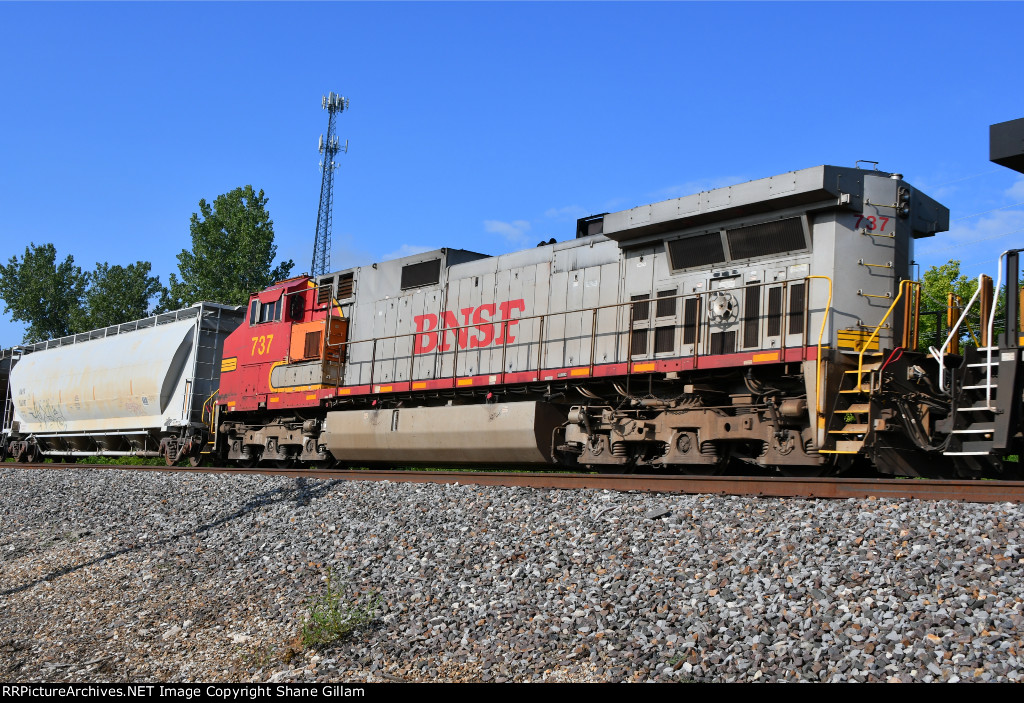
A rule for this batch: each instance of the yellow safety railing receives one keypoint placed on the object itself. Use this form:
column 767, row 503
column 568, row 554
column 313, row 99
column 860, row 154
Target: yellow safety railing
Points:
column 909, row 285
column 208, row 410
column 821, row 334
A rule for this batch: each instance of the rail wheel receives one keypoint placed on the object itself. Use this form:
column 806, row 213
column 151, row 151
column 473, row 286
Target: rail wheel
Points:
column 195, row 455
column 249, row 463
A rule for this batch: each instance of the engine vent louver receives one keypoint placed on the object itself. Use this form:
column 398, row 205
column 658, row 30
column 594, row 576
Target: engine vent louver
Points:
column 639, row 343
column 796, row 308
column 774, row 312
column 690, row 310
column 751, row 316
column 345, row 286
column 723, row 342
column 323, row 294
column 312, row 346
column 641, row 310
column 666, row 303
column 664, row 340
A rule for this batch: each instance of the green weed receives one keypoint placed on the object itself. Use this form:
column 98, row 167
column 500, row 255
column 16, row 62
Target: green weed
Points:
column 337, row 613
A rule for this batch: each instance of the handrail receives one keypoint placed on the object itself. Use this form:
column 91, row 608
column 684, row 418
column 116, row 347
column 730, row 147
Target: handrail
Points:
column 503, row 325
column 989, row 338
column 203, row 413
column 817, row 369
column 940, row 354
column 860, row 357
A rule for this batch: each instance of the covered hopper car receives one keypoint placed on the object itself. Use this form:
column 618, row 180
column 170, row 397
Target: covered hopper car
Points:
column 771, row 325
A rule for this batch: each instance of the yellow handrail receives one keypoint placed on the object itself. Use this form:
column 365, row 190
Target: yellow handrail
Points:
column 821, row 333
column 860, row 357
column 203, row 416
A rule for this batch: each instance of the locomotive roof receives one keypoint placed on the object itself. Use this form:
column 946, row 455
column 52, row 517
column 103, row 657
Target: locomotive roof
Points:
column 835, row 186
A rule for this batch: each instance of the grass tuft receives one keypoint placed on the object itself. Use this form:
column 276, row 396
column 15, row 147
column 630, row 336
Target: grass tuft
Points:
column 337, row 613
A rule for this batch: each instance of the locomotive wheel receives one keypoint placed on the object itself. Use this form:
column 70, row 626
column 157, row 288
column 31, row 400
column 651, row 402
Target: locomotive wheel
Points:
column 279, row 459
column 250, row 462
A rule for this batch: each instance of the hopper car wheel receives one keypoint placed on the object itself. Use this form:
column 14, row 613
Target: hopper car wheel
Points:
column 195, row 457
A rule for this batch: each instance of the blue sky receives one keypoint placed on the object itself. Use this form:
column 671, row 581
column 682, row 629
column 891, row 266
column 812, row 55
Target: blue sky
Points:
column 485, row 126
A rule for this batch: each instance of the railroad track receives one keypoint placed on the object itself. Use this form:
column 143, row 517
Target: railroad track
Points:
column 838, row 488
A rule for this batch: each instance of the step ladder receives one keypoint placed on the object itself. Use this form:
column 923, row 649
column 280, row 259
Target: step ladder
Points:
column 853, row 399
column 975, row 436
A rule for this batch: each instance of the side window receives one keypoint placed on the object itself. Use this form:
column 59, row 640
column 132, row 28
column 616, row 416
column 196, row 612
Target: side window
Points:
column 270, row 311
column 253, row 308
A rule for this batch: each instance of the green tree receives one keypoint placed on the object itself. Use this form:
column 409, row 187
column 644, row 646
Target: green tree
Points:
column 232, row 252
column 936, row 285
column 118, row 294
column 46, row 295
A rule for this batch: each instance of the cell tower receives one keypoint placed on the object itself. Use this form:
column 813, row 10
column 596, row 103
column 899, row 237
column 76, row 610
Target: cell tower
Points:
column 333, row 103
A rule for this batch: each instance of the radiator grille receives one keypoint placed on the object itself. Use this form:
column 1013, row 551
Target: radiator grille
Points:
column 701, row 250
column 766, row 238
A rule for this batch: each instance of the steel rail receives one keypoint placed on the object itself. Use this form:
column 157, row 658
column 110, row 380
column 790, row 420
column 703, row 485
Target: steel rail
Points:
column 974, row 491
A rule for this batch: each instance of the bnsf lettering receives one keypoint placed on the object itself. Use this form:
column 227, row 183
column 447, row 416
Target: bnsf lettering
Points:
column 477, row 331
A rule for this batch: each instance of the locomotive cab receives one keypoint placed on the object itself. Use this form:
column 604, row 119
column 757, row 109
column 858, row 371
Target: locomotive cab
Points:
column 294, row 341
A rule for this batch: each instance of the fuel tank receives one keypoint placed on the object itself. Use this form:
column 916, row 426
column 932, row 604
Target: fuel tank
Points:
column 492, row 433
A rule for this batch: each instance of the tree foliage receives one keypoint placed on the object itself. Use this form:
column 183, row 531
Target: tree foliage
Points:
column 56, row 300
column 936, row 285
column 118, row 294
column 42, row 293
column 232, row 252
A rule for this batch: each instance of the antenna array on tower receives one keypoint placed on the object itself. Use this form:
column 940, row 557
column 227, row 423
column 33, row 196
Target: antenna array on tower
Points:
column 329, row 147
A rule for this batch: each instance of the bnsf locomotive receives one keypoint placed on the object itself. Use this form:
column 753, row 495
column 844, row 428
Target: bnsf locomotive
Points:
column 771, row 324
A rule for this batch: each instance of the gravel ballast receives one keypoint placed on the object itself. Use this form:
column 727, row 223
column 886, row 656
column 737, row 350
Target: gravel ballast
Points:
column 146, row 576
